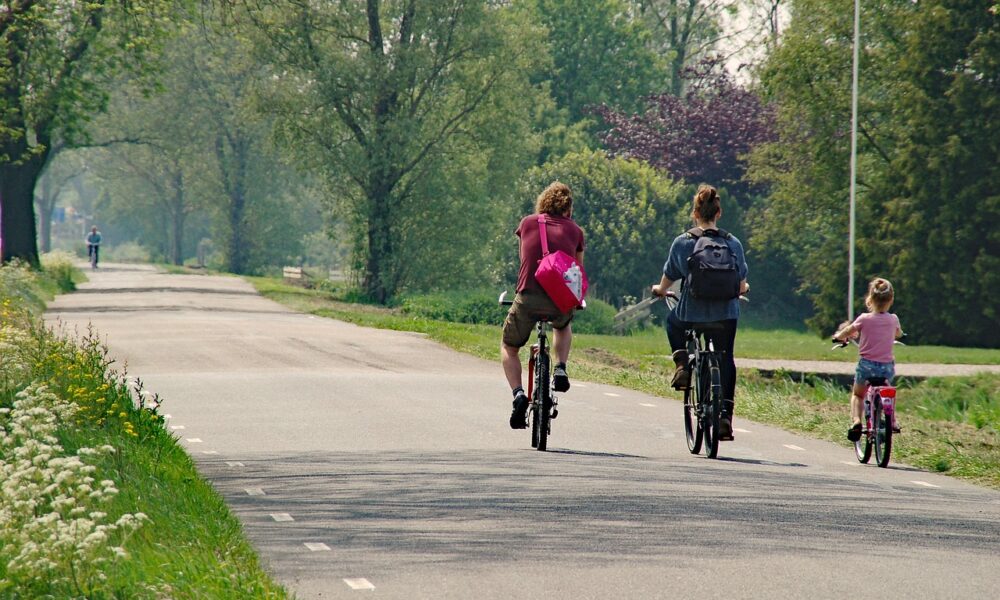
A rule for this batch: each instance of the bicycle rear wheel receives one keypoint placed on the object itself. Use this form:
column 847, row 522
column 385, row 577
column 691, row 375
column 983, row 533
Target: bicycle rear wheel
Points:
column 692, row 422
column 883, row 434
column 542, row 404
column 712, row 407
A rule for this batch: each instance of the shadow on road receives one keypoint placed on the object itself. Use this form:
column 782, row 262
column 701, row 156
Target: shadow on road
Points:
column 396, row 508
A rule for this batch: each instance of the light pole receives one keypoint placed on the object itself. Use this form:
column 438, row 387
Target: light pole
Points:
column 854, row 159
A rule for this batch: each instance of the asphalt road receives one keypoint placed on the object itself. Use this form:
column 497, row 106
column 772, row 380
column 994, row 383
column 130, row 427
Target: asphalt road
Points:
column 360, row 458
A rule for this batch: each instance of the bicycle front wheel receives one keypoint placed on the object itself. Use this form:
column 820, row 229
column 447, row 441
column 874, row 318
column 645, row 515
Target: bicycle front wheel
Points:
column 713, row 407
column 542, row 403
column 883, row 434
column 692, row 421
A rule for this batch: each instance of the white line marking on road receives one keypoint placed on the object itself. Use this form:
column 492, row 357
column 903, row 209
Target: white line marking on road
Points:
column 359, row 583
column 647, row 405
column 254, row 491
column 925, row 484
column 209, row 451
column 580, row 385
column 849, row 463
column 741, row 430
column 282, row 517
column 167, row 417
column 793, row 447
column 194, row 440
column 230, row 463
column 317, row 546
column 176, row 427
column 612, row 394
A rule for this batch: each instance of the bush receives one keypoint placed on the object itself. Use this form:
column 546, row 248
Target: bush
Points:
column 127, row 252
column 59, row 267
column 456, row 306
column 599, row 317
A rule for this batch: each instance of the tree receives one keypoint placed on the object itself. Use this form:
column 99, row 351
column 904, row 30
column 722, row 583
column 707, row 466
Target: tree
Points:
column 629, row 213
column 702, row 136
column 378, row 96
column 686, row 31
column 927, row 116
column 55, row 59
column 600, row 54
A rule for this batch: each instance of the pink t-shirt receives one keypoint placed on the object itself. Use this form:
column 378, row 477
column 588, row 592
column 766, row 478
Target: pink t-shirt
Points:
column 878, row 332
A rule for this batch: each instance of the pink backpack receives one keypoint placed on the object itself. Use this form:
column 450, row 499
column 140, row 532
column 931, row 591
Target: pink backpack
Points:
column 559, row 275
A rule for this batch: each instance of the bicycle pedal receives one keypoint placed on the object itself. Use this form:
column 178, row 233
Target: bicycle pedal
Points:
column 897, row 430
column 555, row 413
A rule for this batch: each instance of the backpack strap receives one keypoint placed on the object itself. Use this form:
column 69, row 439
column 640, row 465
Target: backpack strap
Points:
column 542, row 235
column 697, row 232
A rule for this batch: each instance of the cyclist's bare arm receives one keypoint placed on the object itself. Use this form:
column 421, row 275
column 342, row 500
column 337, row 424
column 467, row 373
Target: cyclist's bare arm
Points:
column 846, row 331
column 661, row 288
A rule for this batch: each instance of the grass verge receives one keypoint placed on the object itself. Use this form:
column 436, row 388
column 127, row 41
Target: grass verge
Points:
column 97, row 499
column 948, row 423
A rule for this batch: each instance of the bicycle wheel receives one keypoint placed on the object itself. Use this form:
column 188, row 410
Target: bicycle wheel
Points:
column 692, row 422
column 713, row 407
column 542, row 404
column 883, row 434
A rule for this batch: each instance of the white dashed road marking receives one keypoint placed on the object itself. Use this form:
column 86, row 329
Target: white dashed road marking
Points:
column 925, row 484
column 647, row 405
column 282, row 517
column 194, row 440
column 579, row 385
column 793, row 447
column 176, row 427
column 317, row 547
column 230, row 463
column 254, row 491
column 612, row 394
column 849, row 463
column 359, row 583
column 209, row 451
column 741, row 430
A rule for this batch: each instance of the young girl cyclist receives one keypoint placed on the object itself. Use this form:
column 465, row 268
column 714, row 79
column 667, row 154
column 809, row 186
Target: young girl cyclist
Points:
column 878, row 329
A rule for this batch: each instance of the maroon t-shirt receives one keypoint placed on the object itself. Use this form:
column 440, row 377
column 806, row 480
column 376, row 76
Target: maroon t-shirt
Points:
column 560, row 232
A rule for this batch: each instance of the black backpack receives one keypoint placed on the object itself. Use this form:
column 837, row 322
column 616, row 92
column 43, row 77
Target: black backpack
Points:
column 712, row 270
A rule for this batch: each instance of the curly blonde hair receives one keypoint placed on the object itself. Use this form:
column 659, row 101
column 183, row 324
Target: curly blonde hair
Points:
column 557, row 199
column 880, row 295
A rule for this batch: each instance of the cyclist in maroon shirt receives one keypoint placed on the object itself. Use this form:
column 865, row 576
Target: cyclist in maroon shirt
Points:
column 531, row 302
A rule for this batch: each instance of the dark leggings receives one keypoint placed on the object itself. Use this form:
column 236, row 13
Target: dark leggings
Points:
column 724, row 340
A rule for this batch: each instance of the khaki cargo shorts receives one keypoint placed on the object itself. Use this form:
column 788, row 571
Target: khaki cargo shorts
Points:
column 528, row 309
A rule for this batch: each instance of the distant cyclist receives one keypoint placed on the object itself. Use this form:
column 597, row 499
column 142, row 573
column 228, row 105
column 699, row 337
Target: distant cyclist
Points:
column 707, row 210
column 93, row 246
column 531, row 303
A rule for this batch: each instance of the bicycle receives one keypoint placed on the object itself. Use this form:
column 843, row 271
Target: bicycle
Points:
column 880, row 419
column 92, row 250
column 703, row 395
column 544, row 406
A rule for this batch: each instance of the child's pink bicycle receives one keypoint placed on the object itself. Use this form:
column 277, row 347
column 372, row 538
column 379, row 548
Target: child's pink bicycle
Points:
column 880, row 420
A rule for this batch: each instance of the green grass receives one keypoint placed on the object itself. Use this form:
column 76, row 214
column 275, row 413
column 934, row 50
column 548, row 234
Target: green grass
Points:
column 949, row 424
column 191, row 546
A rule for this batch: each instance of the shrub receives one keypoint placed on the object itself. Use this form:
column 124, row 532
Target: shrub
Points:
column 599, row 317
column 58, row 266
column 456, row 307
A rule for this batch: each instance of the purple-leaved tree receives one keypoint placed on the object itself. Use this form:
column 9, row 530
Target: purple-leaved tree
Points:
column 702, row 136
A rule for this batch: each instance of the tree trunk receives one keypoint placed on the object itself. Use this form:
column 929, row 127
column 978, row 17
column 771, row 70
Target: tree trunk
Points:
column 17, row 205
column 237, row 211
column 46, row 206
column 177, row 221
column 379, row 281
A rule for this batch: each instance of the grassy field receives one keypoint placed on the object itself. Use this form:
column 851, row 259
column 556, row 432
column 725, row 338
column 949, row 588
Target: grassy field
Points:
column 949, row 423
column 98, row 499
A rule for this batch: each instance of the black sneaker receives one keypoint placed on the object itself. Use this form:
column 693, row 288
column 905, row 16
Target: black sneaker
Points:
column 519, row 416
column 560, row 380
column 854, row 433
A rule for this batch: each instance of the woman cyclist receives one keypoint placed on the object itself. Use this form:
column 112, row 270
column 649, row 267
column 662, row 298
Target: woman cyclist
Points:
column 705, row 212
